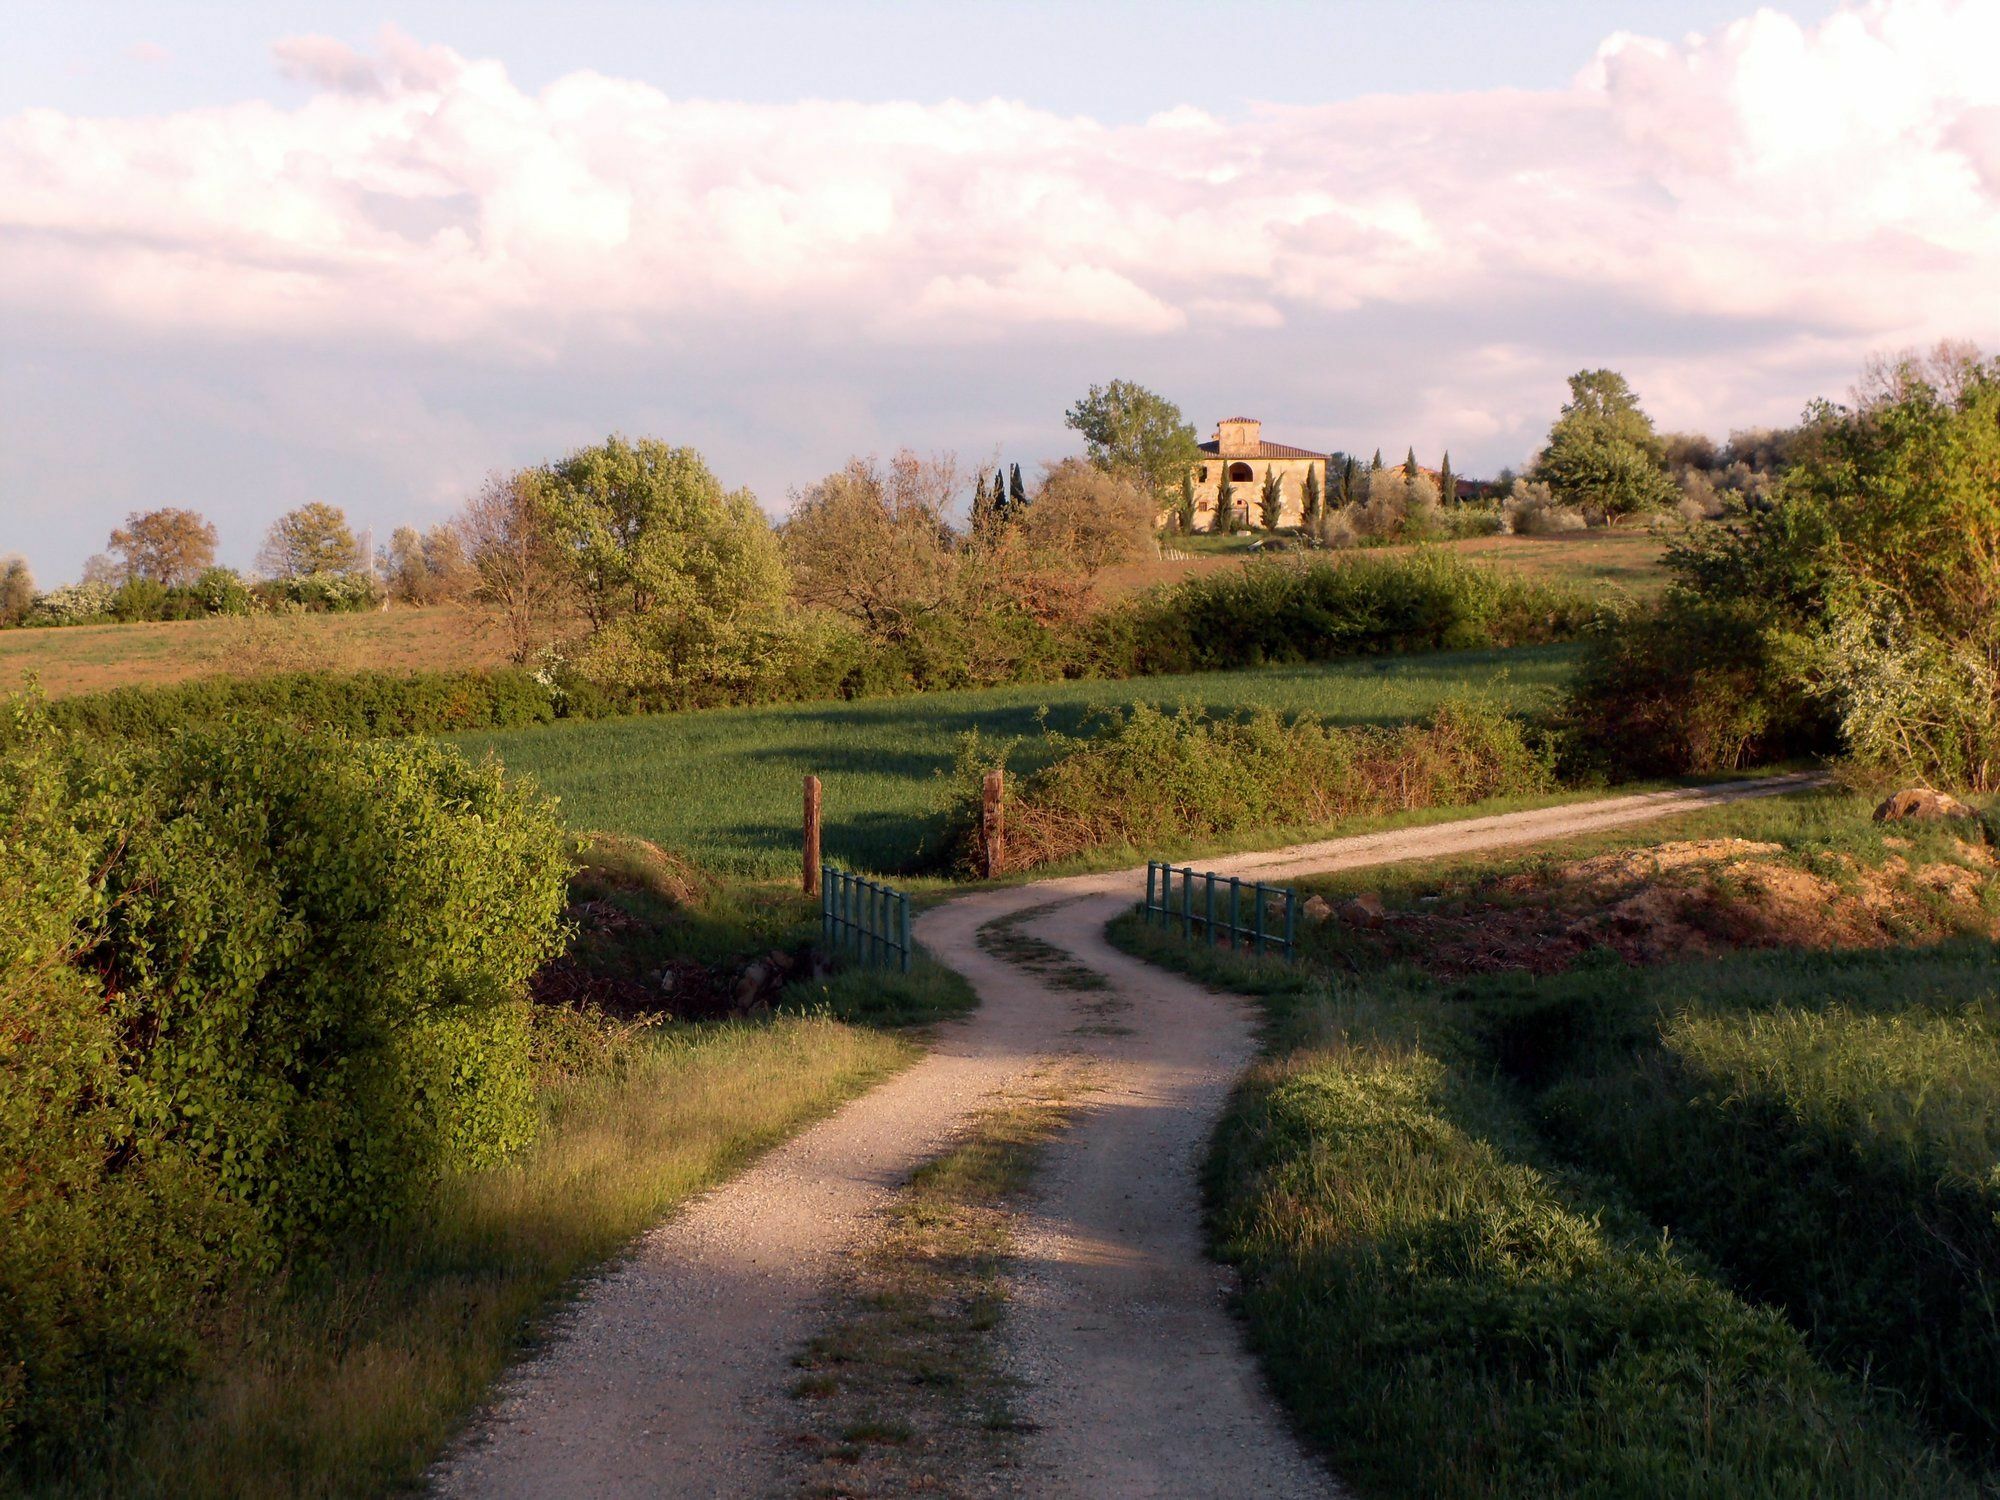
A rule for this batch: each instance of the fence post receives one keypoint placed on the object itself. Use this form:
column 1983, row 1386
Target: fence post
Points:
column 1187, row 902
column 1291, row 923
column 1257, row 895
column 992, row 822
column 1152, row 865
column 1235, row 912
column 904, row 902
column 826, row 909
column 1208, row 920
column 809, row 876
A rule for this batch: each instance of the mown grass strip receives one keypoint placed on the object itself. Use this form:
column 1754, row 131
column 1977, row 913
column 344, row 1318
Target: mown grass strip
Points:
column 351, row 1383
column 901, row 1392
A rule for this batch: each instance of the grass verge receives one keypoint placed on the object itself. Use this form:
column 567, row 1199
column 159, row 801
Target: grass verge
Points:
column 900, row 1392
column 353, row 1380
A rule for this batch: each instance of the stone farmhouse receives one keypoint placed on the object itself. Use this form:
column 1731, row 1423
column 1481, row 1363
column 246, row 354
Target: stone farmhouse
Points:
column 1238, row 451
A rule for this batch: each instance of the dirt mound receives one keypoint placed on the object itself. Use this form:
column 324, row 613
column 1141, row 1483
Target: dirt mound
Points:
column 1683, row 900
column 612, row 863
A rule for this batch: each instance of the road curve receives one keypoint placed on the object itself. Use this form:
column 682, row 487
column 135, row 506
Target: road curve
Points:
column 669, row 1375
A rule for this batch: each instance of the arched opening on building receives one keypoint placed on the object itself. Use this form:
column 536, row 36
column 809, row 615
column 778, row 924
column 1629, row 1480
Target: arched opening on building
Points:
column 1240, row 474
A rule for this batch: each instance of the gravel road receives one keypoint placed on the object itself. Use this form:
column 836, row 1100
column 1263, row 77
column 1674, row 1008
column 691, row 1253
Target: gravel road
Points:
column 669, row 1375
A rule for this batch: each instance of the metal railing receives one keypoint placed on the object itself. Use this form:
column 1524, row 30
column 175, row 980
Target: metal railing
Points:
column 864, row 919
column 1180, row 896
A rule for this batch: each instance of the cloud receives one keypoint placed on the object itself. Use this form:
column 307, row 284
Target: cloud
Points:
column 1731, row 215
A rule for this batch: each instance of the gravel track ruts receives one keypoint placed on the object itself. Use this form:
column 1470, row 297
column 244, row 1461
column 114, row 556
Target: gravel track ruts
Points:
column 670, row 1374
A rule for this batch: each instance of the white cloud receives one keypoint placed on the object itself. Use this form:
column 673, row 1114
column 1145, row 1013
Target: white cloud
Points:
column 1725, row 214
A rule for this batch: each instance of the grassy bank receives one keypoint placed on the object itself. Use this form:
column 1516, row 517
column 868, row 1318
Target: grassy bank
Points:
column 723, row 785
column 350, row 1382
column 1450, row 1188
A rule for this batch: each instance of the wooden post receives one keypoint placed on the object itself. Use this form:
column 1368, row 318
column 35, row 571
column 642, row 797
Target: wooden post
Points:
column 809, row 880
column 992, row 823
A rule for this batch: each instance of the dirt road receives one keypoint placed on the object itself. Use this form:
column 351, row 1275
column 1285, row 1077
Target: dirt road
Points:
column 670, row 1375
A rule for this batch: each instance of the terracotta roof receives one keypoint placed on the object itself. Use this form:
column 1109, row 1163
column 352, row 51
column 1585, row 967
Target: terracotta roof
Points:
column 1239, row 419
column 1264, row 450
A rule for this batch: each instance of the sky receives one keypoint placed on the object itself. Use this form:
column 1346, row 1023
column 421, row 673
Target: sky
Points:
column 254, row 256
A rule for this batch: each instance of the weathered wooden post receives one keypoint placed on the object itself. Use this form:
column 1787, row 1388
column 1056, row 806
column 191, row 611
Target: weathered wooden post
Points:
column 809, row 876
column 992, row 822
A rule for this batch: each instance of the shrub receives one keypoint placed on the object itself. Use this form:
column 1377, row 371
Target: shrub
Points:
column 1152, row 779
column 322, row 593
column 1690, row 686
column 73, row 604
column 261, row 987
column 1531, row 510
column 364, row 704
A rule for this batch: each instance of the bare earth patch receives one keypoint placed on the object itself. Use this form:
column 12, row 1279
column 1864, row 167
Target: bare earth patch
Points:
column 1684, row 900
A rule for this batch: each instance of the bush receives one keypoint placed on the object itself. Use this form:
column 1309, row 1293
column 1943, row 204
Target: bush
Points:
column 321, row 593
column 1690, row 686
column 73, row 604
column 1152, row 779
column 273, row 987
column 363, row 704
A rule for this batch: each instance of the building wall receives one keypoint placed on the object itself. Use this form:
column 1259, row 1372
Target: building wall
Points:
column 1249, row 494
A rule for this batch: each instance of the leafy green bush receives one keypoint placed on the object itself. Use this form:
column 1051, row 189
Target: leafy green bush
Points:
column 1448, row 1319
column 369, row 704
column 1151, row 779
column 273, row 985
column 1282, row 612
column 321, row 593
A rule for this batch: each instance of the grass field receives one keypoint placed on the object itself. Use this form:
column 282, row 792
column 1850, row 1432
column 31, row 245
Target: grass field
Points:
column 1724, row 1226
column 723, row 787
column 91, row 658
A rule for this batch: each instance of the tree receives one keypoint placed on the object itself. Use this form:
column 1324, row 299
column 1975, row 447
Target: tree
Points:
column 999, row 501
column 1313, row 503
column 1017, row 492
column 983, row 515
column 168, row 547
column 312, row 539
column 100, row 567
column 519, row 570
column 1129, row 429
column 1447, row 482
column 1602, row 452
column 1225, row 505
column 1375, row 465
column 17, row 591
column 874, row 546
column 1271, row 502
column 1184, row 512
column 1349, row 472
column 683, row 584
column 1092, row 517
column 1410, row 470
column 428, row 567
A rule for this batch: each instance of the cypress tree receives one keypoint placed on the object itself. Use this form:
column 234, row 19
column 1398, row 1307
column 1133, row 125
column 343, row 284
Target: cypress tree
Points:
column 999, row 500
column 1447, row 482
column 1410, row 465
column 982, row 510
column 1376, row 466
column 1347, row 472
column 1184, row 516
column 1309, row 508
column 1017, row 492
column 1272, row 504
column 1225, row 506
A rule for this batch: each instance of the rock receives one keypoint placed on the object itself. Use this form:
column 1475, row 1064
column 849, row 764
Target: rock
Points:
column 1363, row 911
column 1316, row 910
column 750, row 984
column 1921, row 804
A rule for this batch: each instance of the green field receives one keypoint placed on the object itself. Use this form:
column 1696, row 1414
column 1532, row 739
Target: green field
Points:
column 723, row 786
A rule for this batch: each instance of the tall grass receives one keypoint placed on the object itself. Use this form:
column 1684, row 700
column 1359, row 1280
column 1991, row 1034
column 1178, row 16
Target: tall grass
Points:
column 351, row 1380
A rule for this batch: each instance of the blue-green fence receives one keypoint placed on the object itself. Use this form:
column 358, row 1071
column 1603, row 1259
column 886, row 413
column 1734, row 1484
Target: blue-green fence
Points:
column 1208, row 907
column 864, row 919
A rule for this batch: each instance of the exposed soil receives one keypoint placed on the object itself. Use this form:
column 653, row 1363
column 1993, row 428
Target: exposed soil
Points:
column 1678, row 900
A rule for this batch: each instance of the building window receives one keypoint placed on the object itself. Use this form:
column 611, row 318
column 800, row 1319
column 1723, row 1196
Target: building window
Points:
column 1240, row 474
column 1204, row 473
